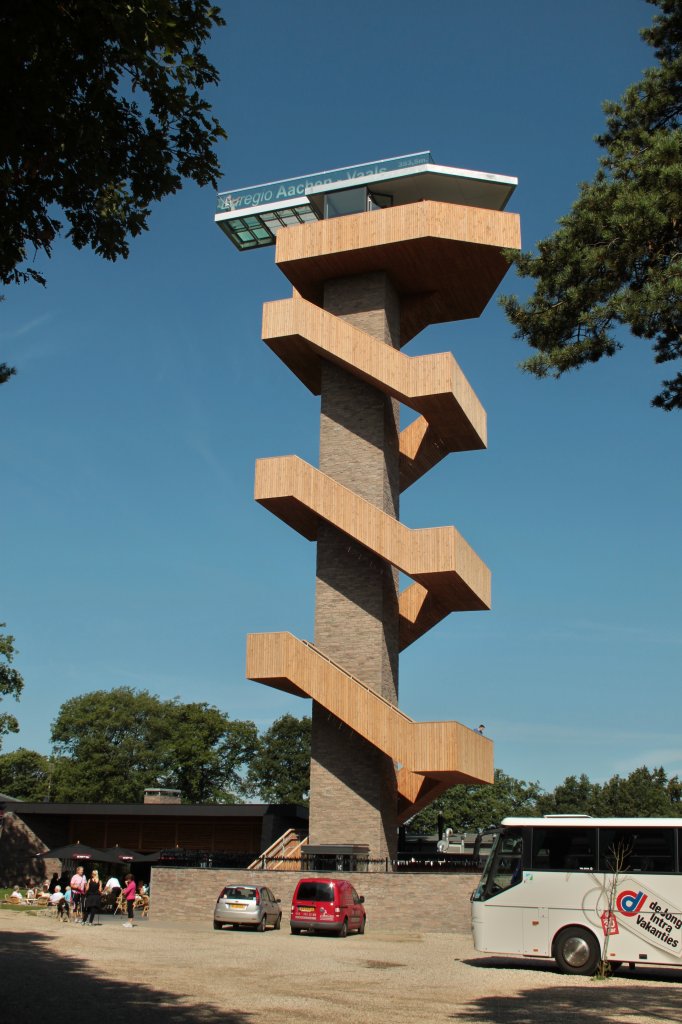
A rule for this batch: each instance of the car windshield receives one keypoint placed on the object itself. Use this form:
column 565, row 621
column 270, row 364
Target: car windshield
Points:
column 316, row 891
column 239, row 892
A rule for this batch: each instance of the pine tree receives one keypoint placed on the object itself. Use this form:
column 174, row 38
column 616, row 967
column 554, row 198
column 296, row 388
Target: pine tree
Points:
column 615, row 259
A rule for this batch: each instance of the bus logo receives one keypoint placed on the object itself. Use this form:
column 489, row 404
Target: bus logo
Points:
column 629, row 902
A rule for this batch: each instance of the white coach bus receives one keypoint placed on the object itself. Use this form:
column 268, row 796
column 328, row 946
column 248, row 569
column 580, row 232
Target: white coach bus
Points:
column 582, row 890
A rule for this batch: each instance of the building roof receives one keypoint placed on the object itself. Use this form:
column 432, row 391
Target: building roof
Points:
column 251, row 217
column 22, row 808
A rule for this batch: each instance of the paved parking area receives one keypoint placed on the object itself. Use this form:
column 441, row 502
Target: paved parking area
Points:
column 190, row 974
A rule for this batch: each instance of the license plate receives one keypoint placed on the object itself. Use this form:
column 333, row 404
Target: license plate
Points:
column 306, row 910
column 236, row 906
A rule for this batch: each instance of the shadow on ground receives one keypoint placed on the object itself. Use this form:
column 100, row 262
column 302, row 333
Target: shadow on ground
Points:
column 658, row 998
column 41, row 985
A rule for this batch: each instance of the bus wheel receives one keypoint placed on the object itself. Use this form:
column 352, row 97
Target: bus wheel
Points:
column 576, row 951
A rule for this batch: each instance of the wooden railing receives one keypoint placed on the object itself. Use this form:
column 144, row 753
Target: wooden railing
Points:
column 282, row 854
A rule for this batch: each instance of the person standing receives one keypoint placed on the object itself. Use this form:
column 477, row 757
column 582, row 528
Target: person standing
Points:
column 78, row 882
column 129, row 894
column 93, row 898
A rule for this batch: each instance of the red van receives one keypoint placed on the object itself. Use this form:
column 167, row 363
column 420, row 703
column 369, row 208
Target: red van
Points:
column 327, row 905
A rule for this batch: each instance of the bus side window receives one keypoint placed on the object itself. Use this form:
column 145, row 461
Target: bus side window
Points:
column 645, row 850
column 560, row 848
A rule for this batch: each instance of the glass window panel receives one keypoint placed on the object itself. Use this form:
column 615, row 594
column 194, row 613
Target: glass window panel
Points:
column 644, row 850
column 340, row 204
column 564, row 849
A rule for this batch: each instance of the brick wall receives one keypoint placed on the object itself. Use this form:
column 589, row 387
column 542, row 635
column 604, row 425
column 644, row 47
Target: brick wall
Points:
column 394, row 902
column 352, row 784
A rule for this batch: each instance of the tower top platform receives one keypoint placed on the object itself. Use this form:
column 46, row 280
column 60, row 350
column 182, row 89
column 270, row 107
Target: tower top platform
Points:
column 251, row 217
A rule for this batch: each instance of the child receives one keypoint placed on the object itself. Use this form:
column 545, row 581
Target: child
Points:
column 129, row 896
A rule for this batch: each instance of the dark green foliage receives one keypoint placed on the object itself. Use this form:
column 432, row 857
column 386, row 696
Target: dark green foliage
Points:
column 473, row 807
column 616, row 258
column 279, row 772
column 112, row 744
column 25, row 775
column 572, row 796
column 11, row 682
column 102, row 116
column 644, row 793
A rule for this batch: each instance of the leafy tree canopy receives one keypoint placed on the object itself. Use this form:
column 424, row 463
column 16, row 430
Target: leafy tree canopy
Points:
column 112, row 744
column 644, row 793
column 474, row 807
column 11, row 682
column 279, row 772
column 103, row 115
column 616, row 258
column 25, row 775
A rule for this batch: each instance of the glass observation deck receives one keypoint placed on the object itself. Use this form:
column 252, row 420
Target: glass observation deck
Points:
column 251, row 217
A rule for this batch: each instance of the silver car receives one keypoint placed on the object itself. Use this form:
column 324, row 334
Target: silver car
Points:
column 253, row 905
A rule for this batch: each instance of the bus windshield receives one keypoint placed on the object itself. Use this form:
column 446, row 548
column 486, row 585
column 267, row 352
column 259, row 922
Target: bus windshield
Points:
column 504, row 866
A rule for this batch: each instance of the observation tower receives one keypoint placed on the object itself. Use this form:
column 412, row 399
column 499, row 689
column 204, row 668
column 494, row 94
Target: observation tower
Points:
column 374, row 253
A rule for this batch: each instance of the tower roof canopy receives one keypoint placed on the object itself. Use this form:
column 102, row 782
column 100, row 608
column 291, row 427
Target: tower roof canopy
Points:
column 251, row 217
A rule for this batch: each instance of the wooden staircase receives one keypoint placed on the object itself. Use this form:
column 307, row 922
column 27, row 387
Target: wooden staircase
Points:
column 282, row 855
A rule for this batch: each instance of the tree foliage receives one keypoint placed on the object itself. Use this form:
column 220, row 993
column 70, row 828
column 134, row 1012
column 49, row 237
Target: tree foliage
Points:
column 11, row 681
column 25, row 775
column 279, row 772
column 616, row 258
column 644, row 793
column 476, row 807
column 112, row 744
column 103, row 115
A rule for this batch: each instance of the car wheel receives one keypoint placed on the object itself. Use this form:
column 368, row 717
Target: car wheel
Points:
column 361, row 929
column 295, row 931
column 260, row 927
column 576, row 951
column 235, row 927
column 343, row 930
column 217, row 925
column 278, row 922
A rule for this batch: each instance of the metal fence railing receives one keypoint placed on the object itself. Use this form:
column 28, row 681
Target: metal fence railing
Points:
column 408, row 862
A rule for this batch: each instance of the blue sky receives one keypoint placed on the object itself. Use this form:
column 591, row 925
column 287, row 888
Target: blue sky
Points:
column 132, row 551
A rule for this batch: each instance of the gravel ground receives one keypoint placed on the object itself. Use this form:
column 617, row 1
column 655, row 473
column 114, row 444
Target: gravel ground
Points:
column 190, row 974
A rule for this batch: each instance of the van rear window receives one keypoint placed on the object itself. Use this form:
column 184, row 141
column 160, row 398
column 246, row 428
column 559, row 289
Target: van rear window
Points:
column 316, row 892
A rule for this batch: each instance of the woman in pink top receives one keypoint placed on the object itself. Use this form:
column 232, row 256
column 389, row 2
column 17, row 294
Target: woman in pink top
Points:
column 129, row 894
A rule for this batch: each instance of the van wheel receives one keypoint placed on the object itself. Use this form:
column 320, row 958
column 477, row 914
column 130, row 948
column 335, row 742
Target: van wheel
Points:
column 295, row 931
column 361, row 929
column 343, row 930
column 278, row 923
column 576, row 951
